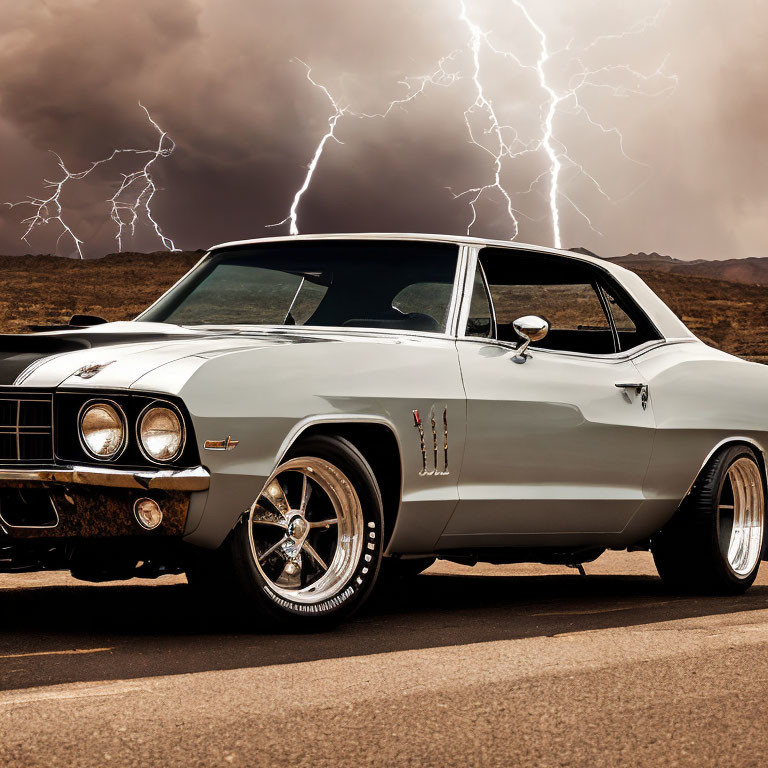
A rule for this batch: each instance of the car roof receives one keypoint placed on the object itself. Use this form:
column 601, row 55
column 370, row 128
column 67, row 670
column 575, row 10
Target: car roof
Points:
column 670, row 326
column 479, row 242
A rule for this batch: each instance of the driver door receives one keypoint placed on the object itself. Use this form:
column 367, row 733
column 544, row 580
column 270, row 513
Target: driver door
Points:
column 555, row 449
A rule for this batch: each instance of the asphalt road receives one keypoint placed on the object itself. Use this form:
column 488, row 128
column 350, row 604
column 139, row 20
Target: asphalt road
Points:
column 492, row 665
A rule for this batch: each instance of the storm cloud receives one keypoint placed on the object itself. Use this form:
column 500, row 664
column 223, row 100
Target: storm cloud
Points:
column 218, row 75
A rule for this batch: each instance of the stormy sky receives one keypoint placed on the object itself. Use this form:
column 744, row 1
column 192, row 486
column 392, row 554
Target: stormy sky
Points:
column 218, row 76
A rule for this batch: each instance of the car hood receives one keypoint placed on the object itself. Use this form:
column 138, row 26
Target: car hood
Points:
column 116, row 355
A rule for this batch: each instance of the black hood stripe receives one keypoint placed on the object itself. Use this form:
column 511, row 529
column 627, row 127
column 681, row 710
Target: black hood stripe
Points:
column 19, row 351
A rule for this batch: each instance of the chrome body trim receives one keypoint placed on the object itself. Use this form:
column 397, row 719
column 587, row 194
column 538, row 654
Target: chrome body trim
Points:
column 330, row 332
column 459, row 291
column 89, row 371
column 616, row 357
column 221, row 445
column 195, row 479
column 417, row 423
column 422, row 445
column 466, row 290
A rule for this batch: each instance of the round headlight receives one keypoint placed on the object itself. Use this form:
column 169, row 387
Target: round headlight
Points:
column 161, row 433
column 102, row 430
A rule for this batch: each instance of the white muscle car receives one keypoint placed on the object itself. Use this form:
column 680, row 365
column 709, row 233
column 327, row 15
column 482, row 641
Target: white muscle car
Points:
column 298, row 416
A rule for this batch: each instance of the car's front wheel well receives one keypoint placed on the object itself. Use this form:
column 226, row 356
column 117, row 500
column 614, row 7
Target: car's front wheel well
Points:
column 380, row 449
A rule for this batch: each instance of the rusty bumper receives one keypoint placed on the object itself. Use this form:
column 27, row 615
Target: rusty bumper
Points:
column 87, row 502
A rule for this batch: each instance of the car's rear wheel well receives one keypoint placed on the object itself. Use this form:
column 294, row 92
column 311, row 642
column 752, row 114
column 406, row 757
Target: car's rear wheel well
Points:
column 380, row 449
column 724, row 446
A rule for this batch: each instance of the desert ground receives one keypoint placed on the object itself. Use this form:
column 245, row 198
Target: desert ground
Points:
column 519, row 665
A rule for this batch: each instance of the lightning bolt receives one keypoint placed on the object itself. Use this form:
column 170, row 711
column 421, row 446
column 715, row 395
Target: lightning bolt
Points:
column 565, row 101
column 124, row 212
column 414, row 86
column 554, row 100
column 501, row 143
column 337, row 113
column 142, row 179
column 500, row 147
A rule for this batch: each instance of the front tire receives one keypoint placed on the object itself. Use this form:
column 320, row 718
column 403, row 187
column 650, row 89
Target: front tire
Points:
column 307, row 554
column 715, row 541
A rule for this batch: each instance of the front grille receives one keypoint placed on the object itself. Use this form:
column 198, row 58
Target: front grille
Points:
column 26, row 428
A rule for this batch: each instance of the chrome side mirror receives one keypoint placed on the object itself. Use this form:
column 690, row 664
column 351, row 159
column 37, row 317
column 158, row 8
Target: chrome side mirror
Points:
column 529, row 328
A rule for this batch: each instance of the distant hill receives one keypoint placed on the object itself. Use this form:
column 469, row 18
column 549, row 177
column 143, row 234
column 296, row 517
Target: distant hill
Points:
column 752, row 271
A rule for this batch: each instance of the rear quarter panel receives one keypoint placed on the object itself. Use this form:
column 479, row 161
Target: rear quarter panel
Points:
column 700, row 398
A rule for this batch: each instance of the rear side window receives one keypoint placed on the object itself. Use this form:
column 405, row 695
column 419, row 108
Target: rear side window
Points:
column 585, row 314
column 632, row 326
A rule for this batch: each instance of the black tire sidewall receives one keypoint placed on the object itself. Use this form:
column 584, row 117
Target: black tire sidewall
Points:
column 278, row 610
column 687, row 551
column 725, row 573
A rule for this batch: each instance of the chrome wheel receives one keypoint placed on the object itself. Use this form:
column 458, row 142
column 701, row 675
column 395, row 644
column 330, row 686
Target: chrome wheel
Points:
column 306, row 530
column 741, row 516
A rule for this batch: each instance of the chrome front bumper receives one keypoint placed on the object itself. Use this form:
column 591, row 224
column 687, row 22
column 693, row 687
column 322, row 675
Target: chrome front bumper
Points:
column 196, row 479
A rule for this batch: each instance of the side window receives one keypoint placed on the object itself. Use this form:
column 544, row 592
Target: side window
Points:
column 560, row 290
column 479, row 322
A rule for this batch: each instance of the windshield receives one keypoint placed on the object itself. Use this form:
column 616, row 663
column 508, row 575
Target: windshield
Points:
column 359, row 284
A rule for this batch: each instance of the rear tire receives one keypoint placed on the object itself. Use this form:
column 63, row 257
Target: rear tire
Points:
column 714, row 543
column 307, row 554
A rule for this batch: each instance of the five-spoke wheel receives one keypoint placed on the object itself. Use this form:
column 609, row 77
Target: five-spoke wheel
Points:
column 306, row 530
column 308, row 550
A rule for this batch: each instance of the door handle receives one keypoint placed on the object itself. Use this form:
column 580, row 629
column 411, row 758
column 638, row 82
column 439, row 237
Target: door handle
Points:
column 640, row 389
